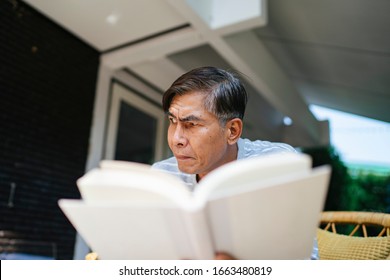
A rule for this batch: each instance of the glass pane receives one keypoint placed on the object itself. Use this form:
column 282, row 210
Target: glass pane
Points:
column 136, row 136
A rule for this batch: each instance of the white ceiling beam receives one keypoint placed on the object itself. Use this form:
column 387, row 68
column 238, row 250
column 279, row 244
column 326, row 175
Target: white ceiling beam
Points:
column 153, row 49
column 160, row 72
column 229, row 16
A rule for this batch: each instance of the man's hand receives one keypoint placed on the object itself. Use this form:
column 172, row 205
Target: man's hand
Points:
column 223, row 256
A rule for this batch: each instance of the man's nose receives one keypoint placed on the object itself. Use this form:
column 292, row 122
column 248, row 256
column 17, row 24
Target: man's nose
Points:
column 179, row 137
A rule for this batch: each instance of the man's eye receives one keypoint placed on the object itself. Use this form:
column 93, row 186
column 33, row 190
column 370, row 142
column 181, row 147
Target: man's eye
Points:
column 191, row 124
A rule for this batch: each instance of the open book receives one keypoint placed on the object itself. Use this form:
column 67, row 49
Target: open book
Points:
column 258, row 208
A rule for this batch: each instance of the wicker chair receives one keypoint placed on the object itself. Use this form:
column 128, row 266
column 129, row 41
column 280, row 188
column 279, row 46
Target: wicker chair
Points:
column 359, row 243
column 92, row 256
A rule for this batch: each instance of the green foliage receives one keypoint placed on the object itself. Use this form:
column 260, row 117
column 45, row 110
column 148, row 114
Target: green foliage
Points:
column 340, row 179
column 370, row 192
column 364, row 191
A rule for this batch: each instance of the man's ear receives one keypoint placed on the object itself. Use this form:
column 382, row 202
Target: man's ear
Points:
column 234, row 130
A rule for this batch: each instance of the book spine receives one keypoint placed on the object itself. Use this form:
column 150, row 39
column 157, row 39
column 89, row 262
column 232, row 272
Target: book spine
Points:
column 199, row 234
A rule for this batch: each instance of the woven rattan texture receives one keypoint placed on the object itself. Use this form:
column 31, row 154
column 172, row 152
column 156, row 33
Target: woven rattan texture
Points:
column 333, row 246
column 357, row 244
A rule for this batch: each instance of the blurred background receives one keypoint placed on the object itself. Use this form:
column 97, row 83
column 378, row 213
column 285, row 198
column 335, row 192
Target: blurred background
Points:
column 81, row 81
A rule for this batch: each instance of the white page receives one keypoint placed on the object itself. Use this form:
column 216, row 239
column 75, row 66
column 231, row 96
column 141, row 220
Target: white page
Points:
column 125, row 232
column 276, row 222
column 129, row 185
column 230, row 177
column 199, row 234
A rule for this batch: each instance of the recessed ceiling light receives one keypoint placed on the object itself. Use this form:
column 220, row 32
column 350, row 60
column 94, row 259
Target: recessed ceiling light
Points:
column 287, row 121
column 112, row 18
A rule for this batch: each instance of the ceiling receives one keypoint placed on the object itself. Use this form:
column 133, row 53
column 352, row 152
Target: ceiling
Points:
column 333, row 53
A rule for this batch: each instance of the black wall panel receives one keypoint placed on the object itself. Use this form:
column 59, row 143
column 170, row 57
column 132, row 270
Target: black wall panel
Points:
column 47, row 87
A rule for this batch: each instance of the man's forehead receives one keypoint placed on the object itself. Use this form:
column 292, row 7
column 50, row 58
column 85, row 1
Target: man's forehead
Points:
column 183, row 109
column 183, row 114
column 189, row 106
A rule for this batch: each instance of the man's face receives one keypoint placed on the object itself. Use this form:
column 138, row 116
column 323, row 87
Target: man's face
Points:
column 195, row 135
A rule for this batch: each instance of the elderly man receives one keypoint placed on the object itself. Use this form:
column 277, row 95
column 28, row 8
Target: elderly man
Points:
column 206, row 108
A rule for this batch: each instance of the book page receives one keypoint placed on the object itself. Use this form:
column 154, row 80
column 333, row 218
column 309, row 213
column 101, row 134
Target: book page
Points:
column 232, row 177
column 124, row 165
column 275, row 221
column 126, row 232
column 126, row 182
column 130, row 211
column 198, row 230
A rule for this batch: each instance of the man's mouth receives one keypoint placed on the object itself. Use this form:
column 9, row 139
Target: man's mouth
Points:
column 182, row 157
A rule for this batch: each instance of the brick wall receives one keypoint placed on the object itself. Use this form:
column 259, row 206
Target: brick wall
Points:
column 47, row 87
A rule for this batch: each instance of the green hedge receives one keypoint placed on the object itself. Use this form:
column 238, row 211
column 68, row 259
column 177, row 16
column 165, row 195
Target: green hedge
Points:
column 365, row 191
column 370, row 192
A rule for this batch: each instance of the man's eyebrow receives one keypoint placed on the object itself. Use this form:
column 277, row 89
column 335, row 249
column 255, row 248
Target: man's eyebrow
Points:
column 189, row 118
